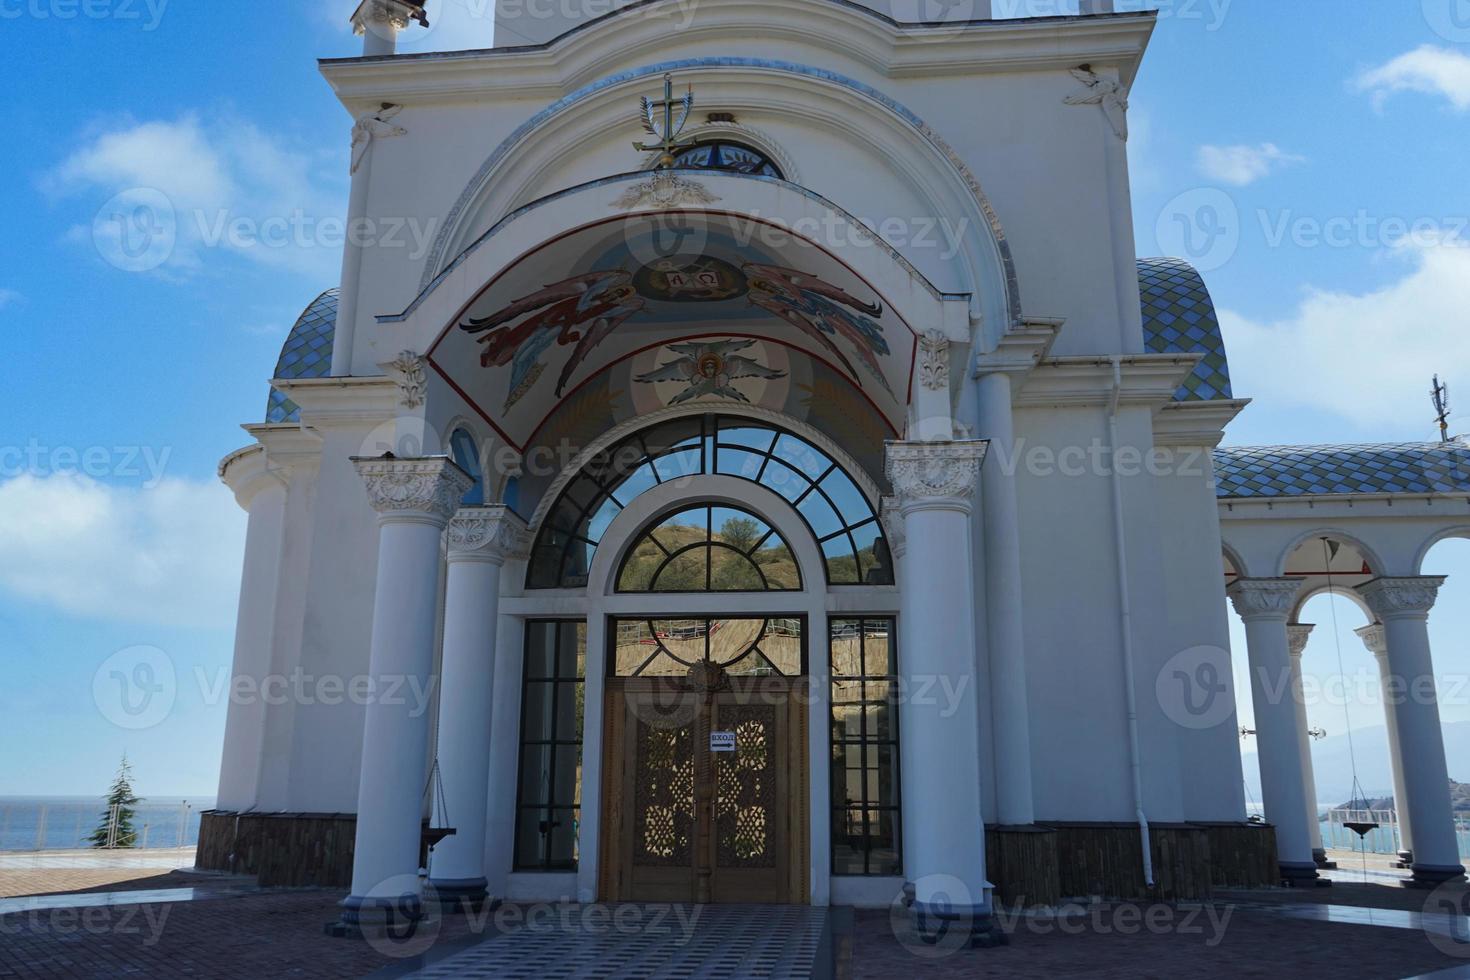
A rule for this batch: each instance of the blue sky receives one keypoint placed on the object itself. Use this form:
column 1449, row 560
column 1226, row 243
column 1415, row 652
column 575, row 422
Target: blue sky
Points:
column 1296, row 113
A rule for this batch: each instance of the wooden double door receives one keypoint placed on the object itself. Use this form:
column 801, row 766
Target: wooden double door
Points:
column 706, row 792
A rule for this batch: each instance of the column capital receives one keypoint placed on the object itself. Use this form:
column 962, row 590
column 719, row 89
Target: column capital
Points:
column 1265, row 598
column 426, row 489
column 1297, row 635
column 935, row 473
column 1401, row 598
column 396, row 13
column 1375, row 638
column 492, row 534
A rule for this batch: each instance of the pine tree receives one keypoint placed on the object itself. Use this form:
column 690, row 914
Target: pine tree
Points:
column 120, row 801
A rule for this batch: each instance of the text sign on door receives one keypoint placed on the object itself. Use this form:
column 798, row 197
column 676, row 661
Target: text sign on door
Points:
column 722, row 741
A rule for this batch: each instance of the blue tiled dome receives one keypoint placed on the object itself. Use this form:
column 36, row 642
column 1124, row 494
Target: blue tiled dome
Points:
column 1299, row 471
column 1179, row 318
column 307, row 353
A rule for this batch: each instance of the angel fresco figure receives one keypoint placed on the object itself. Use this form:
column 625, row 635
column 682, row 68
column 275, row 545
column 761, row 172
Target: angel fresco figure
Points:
column 584, row 310
column 816, row 309
column 708, row 369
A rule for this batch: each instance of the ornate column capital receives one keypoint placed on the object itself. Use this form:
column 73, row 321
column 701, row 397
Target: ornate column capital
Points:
column 1265, row 598
column 1401, row 598
column 426, row 490
column 1297, row 635
column 394, row 13
column 935, row 473
column 491, row 534
column 1375, row 638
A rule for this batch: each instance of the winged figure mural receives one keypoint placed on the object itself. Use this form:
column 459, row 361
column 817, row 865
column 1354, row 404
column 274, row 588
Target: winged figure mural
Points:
column 709, row 369
column 583, row 310
column 821, row 310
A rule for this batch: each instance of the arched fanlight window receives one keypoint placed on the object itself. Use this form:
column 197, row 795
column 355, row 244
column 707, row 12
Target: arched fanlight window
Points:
column 710, row 548
column 464, row 451
column 827, row 498
column 724, row 155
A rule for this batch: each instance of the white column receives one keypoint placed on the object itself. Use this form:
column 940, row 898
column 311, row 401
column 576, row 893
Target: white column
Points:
column 935, row 483
column 414, row 499
column 1297, row 635
column 1265, row 605
column 1402, row 605
column 891, row 514
column 478, row 541
column 260, row 489
column 1376, row 641
column 1005, row 626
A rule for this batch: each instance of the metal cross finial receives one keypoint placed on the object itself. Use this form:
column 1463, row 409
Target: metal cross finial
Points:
column 668, row 137
column 1441, row 396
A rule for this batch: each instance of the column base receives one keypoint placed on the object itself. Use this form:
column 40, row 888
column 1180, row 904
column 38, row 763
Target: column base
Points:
column 459, row 895
column 1405, row 860
column 1431, row 876
column 1298, row 875
column 974, row 926
column 1319, row 855
column 397, row 917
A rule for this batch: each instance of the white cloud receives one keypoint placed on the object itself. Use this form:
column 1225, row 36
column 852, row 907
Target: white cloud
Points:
column 185, row 191
column 1242, row 165
column 1431, row 70
column 169, row 555
column 1367, row 357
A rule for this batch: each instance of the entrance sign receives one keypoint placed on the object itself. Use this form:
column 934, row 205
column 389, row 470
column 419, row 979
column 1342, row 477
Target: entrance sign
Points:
column 722, row 741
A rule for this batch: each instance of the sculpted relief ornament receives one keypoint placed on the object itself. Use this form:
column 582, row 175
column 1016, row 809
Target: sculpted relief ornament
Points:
column 665, row 190
column 1265, row 597
column 432, row 486
column 934, row 361
column 371, row 127
column 492, row 533
column 1390, row 598
column 411, row 372
column 1104, row 92
column 933, row 471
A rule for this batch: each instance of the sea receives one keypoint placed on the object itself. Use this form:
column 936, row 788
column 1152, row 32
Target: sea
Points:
column 34, row 823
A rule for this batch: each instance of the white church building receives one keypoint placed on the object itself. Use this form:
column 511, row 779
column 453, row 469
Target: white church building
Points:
column 781, row 481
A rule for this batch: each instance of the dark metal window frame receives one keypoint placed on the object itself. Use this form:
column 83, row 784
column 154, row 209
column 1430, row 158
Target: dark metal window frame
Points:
column 717, row 145
column 707, row 443
column 710, row 544
column 612, row 639
column 545, row 812
column 866, row 807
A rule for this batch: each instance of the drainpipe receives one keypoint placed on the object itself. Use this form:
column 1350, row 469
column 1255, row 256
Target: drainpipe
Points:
column 1125, row 602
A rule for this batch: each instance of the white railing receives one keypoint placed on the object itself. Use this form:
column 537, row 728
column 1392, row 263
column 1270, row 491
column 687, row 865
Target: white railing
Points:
column 71, row 826
column 1382, row 839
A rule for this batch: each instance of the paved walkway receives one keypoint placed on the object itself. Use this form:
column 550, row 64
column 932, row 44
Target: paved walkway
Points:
column 44, row 872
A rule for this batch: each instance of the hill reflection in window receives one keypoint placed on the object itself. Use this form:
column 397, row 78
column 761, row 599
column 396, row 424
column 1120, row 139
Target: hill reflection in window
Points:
column 710, row 549
column 721, row 155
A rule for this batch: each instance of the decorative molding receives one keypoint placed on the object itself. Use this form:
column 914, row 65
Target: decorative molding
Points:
column 934, row 361
column 410, row 371
column 1265, row 598
column 1297, row 635
column 1111, row 95
column 430, row 487
column 372, row 127
column 1397, row 598
column 1375, row 638
column 665, row 189
column 890, row 515
column 923, row 472
column 1022, row 347
column 396, row 14
column 492, row 533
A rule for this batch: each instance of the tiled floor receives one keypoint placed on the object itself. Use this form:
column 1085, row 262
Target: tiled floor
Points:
column 37, row 873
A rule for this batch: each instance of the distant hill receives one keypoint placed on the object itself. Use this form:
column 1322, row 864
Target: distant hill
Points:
column 1459, row 800
column 1332, row 765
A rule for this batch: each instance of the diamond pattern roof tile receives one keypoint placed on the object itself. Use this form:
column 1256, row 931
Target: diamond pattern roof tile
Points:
column 307, row 353
column 1179, row 318
column 1298, row 471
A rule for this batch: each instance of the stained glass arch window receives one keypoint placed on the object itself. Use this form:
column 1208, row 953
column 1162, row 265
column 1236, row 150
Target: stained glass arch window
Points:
column 829, row 501
column 726, row 155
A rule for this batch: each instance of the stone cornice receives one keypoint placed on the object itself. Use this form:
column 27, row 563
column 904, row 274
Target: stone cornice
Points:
column 1265, row 598
column 248, row 471
column 1200, row 423
column 426, row 489
column 1148, row 380
column 840, row 30
column 343, row 401
column 1021, row 348
column 1401, row 598
column 934, row 472
column 1375, row 638
column 493, row 533
column 1297, row 635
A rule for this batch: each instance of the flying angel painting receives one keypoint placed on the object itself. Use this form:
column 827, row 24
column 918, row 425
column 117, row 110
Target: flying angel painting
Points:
column 709, row 369
column 816, row 308
column 583, row 310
